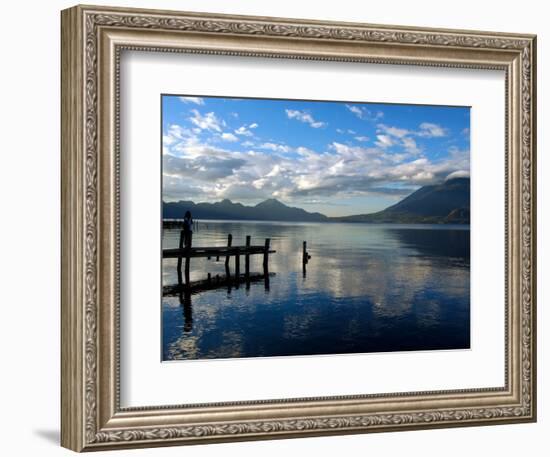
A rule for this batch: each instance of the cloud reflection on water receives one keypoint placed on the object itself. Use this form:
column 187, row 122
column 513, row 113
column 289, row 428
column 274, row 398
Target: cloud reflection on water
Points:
column 367, row 288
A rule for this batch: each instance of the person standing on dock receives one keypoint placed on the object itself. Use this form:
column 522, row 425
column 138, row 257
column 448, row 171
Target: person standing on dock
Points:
column 187, row 228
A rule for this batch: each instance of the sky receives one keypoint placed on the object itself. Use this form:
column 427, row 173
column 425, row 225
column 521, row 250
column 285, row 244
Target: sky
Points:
column 337, row 158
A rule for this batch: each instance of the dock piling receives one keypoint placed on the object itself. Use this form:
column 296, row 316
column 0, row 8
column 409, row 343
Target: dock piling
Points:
column 188, row 243
column 247, row 258
column 180, row 280
column 237, row 267
column 266, row 252
column 229, row 242
column 186, row 251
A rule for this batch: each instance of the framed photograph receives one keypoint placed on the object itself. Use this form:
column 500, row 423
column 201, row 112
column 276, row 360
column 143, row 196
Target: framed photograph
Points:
column 275, row 228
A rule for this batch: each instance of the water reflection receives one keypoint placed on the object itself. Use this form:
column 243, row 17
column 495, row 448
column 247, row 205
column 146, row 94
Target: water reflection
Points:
column 366, row 288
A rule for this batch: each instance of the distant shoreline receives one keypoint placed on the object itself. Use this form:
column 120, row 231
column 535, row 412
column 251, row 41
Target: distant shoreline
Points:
column 263, row 221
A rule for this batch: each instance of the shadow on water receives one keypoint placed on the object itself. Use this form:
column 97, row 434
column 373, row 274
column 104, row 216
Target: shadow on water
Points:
column 435, row 243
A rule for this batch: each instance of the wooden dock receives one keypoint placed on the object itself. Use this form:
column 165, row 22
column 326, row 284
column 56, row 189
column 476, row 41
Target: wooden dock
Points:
column 186, row 251
column 214, row 252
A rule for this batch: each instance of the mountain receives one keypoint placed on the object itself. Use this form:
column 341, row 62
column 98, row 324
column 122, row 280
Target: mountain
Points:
column 268, row 210
column 445, row 203
column 448, row 202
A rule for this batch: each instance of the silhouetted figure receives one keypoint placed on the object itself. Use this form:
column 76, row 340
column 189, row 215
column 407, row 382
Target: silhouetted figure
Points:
column 187, row 229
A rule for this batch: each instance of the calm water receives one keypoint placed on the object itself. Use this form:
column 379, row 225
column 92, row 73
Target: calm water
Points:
column 368, row 288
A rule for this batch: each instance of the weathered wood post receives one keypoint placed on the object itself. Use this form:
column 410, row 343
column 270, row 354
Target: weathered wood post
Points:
column 266, row 252
column 182, row 237
column 229, row 242
column 247, row 258
column 237, row 267
column 266, row 263
column 305, row 257
column 188, row 243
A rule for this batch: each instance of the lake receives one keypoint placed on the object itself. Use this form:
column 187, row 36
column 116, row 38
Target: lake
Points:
column 367, row 288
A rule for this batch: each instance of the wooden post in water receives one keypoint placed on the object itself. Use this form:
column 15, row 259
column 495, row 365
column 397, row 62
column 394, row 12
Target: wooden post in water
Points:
column 180, row 280
column 266, row 263
column 266, row 252
column 305, row 258
column 229, row 242
column 247, row 258
column 188, row 243
column 237, row 268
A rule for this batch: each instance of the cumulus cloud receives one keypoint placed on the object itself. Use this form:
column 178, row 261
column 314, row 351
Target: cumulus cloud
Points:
column 229, row 137
column 304, row 116
column 393, row 131
column 430, row 130
column 195, row 100
column 245, row 129
column 392, row 164
column 211, row 165
column 392, row 135
column 275, row 147
column 384, row 141
column 365, row 114
column 209, row 121
column 410, row 145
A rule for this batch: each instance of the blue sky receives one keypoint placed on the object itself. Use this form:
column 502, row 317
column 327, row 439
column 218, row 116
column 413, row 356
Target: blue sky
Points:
column 338, row 158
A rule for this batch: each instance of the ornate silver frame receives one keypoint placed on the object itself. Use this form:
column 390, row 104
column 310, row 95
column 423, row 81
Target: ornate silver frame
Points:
column 92, row 40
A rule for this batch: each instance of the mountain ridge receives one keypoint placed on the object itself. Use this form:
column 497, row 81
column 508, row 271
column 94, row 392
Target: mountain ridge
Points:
column 443, row 203
column 446, row 202
column 268, row 210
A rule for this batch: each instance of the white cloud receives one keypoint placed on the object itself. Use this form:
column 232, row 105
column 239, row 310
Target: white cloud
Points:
column 275, row 147
column 229, row 137
column 384, row 141
column 355, row 110
column 306, row 117
column 244, row 129
column 403, row 137
column 362, row 138
column 194, row 169
column 393, row 131
column 365, row 114
column 195, row 100
column 458, row 174
column 176, row 137
column 429, row 130
column 410, row 145
column 207, row 122
column 304, row 151
column 426, row 130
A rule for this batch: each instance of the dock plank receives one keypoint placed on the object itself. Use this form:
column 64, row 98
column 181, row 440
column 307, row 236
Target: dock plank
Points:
column 213, row 251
